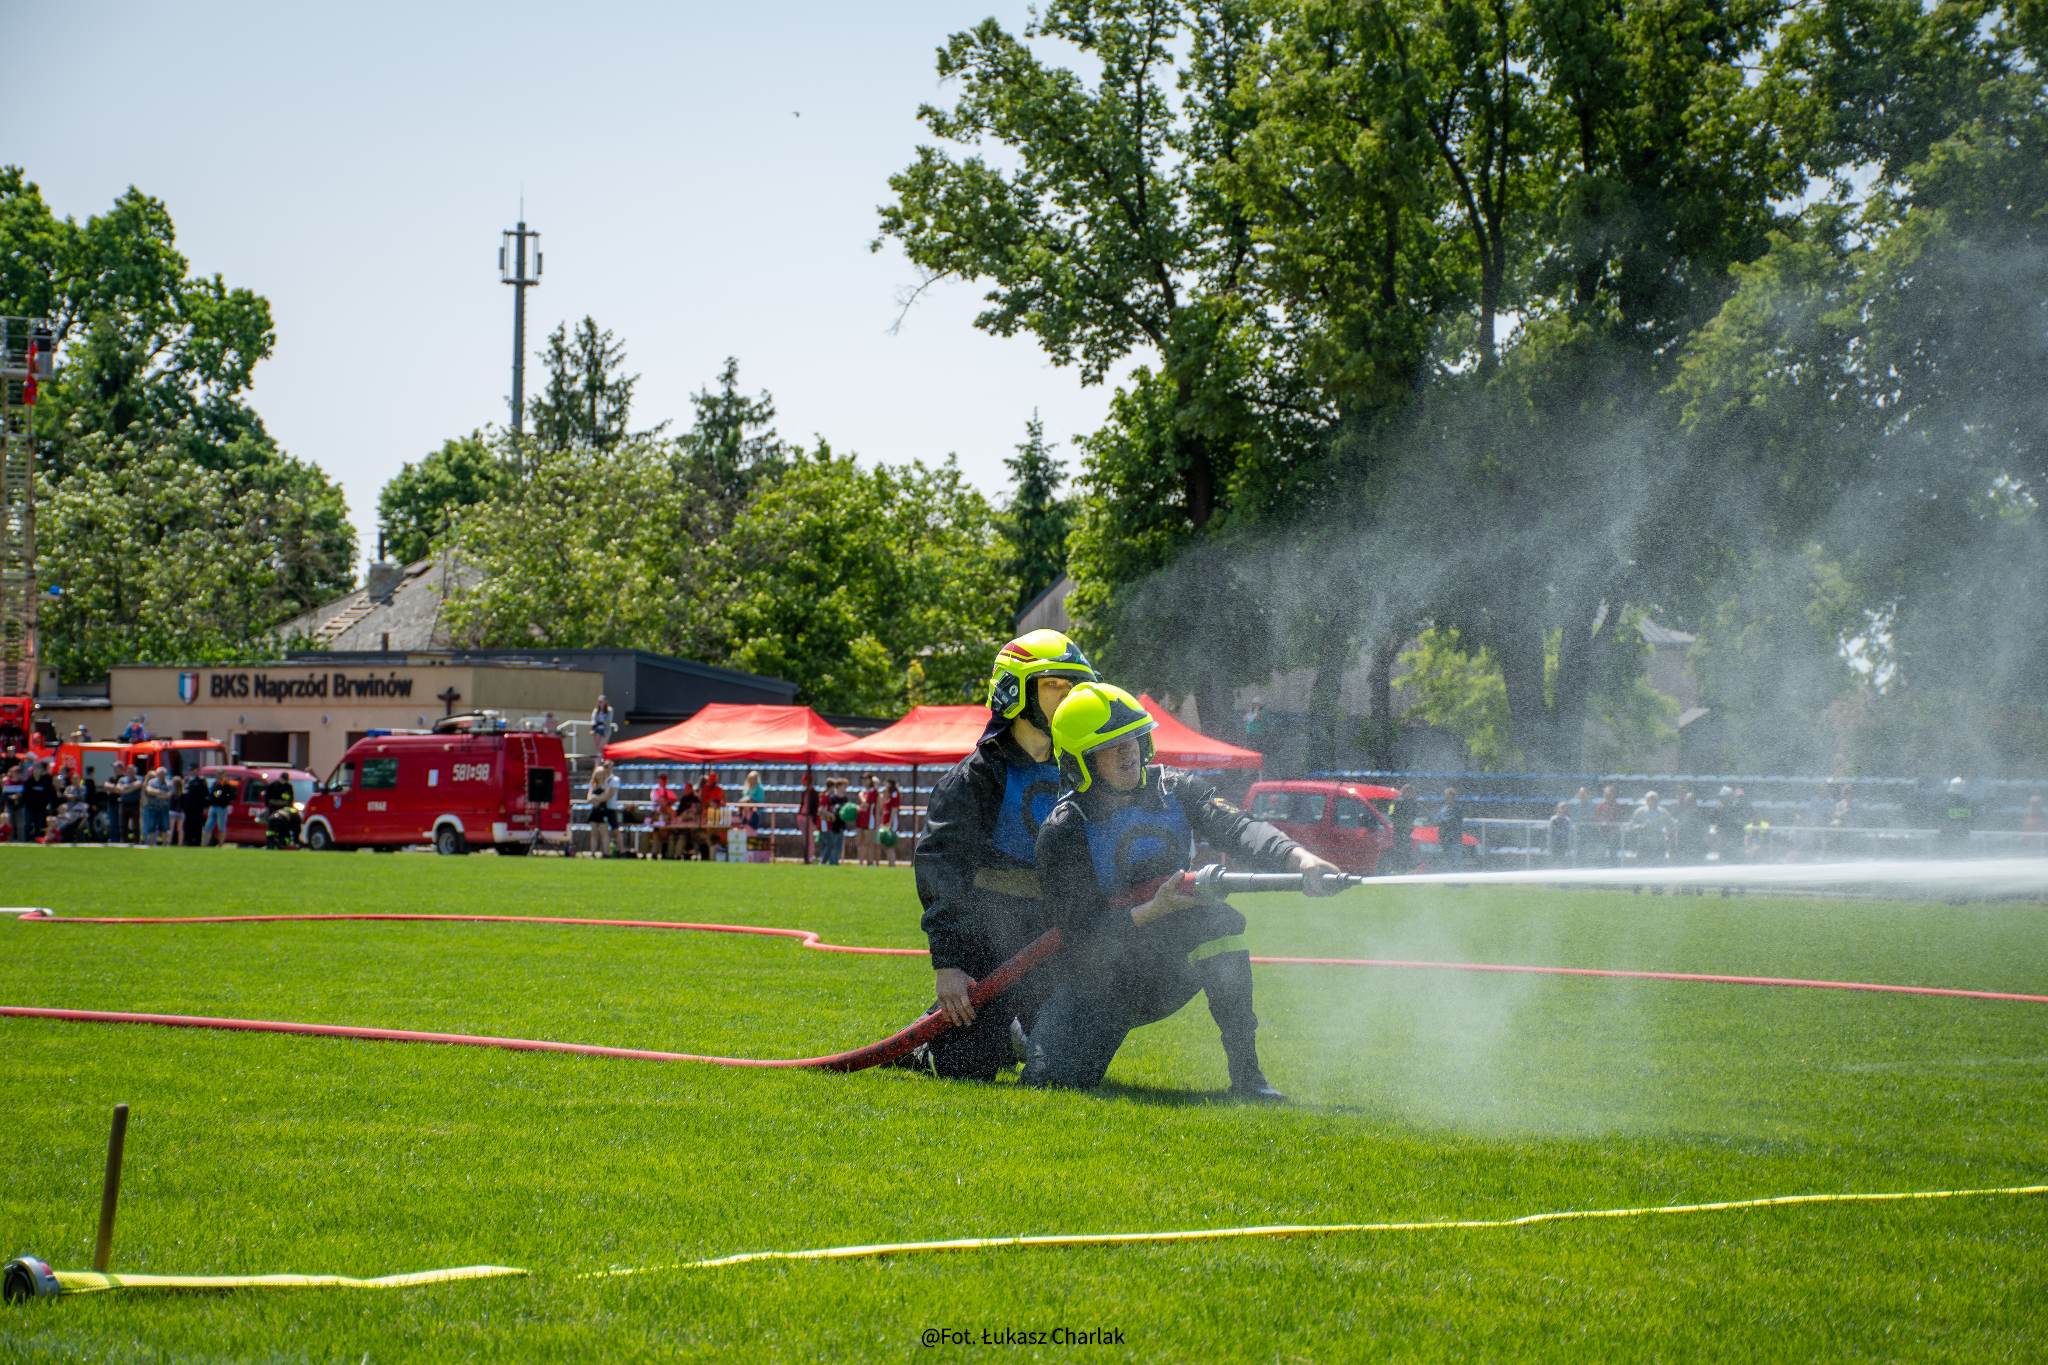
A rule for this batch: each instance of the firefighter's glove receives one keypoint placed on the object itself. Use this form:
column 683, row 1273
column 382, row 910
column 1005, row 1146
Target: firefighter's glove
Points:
column 1319, row 878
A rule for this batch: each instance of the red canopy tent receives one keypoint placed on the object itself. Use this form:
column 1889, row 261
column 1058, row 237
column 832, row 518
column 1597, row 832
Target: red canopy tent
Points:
column 1184, row 747
column 927, row 735
column 724, row 731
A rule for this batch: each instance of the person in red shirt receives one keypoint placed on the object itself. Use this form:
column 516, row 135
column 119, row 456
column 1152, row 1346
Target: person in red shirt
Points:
column 865, row 822
column 892, row 806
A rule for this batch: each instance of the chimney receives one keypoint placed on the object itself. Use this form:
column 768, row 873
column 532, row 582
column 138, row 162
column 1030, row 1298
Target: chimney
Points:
column 383, row 580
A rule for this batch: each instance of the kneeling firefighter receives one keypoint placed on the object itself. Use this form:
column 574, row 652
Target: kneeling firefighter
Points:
column 1138, row 948
column 976, row 862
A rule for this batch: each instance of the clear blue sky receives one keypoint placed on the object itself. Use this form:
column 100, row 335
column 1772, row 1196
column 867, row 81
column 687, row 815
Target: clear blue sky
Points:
column 705, row 178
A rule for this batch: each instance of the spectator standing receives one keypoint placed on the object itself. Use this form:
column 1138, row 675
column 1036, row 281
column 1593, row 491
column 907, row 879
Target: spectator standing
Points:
column 128, row 790
column 602, row 723
column 40, row 795
column 755, row 797
column 1958, row 817
column 807, row 808
column 892, row 808
column 1450, row 832
column 1580, row 812
column 192, row 807
column 689, row 820
column 174, row 836
column 865, row 821
column 604, row 802
column 97, row 821
column 156, row 807
column 1652, row 830
column 11, row 788
column 1561, row 834
column 1690, row 841
column 1608, row 818
column 220, row 804
column 1731, row 813
column 134, row 732
column 832, row 826
column 1402, row 816
column 716, row 818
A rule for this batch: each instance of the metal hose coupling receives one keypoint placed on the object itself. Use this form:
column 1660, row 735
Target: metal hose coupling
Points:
column 25, row 1277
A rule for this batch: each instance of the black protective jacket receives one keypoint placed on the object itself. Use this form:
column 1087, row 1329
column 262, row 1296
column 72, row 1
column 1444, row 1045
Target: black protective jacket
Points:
column 975, row 860
column 1088, row 891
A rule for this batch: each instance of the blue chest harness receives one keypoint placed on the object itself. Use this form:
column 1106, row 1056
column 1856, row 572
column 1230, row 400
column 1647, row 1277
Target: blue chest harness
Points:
column 1139, row 843
column 1029, row 791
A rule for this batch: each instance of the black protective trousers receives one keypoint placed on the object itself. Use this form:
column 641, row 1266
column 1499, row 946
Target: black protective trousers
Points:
column 1105, row 990
column 979, row 1051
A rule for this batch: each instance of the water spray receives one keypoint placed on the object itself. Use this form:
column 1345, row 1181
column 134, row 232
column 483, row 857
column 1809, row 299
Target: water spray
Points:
column 2019, row 878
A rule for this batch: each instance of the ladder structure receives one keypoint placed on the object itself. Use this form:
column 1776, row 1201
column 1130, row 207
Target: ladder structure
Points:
column 26, row 356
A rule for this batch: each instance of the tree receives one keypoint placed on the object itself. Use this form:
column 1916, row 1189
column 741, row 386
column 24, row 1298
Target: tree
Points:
column 1875, row 376
column 148, row 388
column 141, row 340
column 731, row 448
column 1461, row 693
column 588, row 401
column 1037, row 520
column 585, row 554
column 1097, row 237
column 151, row 558
column 421, row 504
column 865, row 586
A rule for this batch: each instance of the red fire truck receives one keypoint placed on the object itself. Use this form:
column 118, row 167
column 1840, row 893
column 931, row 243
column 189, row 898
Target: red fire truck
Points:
column 467, row 783
column 97, row 759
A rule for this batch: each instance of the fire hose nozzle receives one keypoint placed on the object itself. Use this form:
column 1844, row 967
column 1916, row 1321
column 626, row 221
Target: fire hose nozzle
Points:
column 1216, row 881
column 26, row 1277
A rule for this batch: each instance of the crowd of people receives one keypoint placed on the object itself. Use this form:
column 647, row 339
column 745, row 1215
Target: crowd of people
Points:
column 1730, row 827
column 154, row 808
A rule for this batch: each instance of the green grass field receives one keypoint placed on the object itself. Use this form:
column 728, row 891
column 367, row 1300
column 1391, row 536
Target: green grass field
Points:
column 1420, row 1096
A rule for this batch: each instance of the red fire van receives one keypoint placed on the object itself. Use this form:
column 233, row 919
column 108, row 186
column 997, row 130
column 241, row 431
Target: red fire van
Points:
column 1345, row 822
column 469, row 783
column 97, row 759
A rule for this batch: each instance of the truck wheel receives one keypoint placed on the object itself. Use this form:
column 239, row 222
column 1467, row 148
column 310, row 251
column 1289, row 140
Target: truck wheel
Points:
column 514, row 850
column 318, row 839
column 448, row 841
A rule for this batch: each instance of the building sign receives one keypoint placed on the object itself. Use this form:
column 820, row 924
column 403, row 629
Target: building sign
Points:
column 336, row 686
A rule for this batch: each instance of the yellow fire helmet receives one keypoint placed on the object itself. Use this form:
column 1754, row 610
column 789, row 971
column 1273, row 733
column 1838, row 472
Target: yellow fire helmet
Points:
column 1096, row 714
column 1042, row 653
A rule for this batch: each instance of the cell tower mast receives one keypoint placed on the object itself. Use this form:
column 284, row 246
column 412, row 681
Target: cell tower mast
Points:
column 512, row 271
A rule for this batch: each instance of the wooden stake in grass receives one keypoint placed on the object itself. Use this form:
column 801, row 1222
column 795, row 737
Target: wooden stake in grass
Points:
column 111, row 1194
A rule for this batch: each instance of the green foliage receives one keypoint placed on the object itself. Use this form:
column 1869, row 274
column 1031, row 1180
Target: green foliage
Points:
column 154, row 559
column 841, row 577
column 588, row 402
column 1459, row 692
column 421, row 504
column 1038, row 519
column 732, row 448
column 585, row 554
column 1095, row 233
column 173, row 523
column 141, row 340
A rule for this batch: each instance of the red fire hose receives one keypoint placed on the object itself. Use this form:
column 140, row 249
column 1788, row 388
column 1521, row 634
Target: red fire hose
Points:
column 858, row 1059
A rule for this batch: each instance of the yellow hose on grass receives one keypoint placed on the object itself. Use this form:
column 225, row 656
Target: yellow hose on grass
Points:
column 26, row 1277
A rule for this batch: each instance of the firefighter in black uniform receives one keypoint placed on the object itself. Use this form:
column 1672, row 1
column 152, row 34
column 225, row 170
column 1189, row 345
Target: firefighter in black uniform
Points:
column 280, row 814
column 1132, row 958
column 976, row 861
